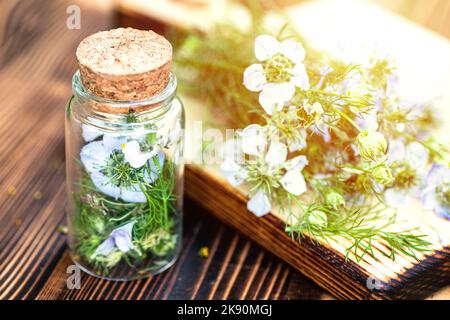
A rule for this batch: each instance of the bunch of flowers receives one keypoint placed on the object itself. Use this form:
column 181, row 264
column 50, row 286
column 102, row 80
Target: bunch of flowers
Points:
column 335, row 147
column 329, row 144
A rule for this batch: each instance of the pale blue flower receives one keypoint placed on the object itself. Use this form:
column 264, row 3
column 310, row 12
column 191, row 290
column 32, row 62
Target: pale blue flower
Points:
column 120, row 238
column 436, row 195
column 95, row 157
column 414, row 158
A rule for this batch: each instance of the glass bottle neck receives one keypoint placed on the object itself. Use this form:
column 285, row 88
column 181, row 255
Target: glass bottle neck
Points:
column 96, row 108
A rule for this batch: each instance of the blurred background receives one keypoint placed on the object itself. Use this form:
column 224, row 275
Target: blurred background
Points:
column 37, row 59
column 433, row 14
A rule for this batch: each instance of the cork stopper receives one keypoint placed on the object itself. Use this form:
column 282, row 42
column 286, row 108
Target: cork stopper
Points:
column 124, row 64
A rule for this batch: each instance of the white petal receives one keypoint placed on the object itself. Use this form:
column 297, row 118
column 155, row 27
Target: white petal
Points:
column 428, row 198
column 276, row 154
column 124, row 244
column 253, row 139
column 317, row 107
column 396, row 151
column 101, row 182
column 123, row 237
column 395, row 198
column 234, row 173
column 94, row 156
column 254, row 78
column 113, row 142
column 298, row 162
column 131, row 147
column 294, row 182
column 416, row 155
column 132, row 194
column 299, row 142
column 437, row 174
column 90, row 132
column 265, row 47
column 259, row 204
column 300, row 76
column 274, row 95
column 293, row 50
column 105, row 247
column 133, row 154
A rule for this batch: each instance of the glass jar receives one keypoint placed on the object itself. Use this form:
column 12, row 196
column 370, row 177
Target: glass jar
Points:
column 124, row 182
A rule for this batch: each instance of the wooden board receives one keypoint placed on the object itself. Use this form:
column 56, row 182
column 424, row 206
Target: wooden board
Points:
column 325, row 263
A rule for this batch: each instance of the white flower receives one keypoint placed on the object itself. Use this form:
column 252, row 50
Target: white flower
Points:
column 274, row 96
column 134, row 156
column 293, row 180
column 234, row 173
column 436, row 194
column 409, row 165
column 254, row 78
column 272, row 161
column 276, row 154
column 96, row 158
column 313, row 109
column 281, row 70
column 259, row 204
column 120, row 238
column 415, row 154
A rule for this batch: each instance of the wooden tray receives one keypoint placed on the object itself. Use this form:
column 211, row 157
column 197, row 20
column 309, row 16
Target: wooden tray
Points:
column 425, row 74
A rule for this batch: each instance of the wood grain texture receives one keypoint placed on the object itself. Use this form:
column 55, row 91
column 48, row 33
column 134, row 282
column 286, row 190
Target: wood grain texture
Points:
column 37, row 60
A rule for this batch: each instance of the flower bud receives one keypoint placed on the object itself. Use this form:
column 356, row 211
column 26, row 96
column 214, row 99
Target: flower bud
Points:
column 318, row 218
column 371, row 144
column 335, row 200
column 382, row 174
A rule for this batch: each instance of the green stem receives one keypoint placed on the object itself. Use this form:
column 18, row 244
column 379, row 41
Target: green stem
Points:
column 349, row 120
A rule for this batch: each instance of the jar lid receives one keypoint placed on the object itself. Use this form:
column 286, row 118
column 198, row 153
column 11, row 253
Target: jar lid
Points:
column 125, row 64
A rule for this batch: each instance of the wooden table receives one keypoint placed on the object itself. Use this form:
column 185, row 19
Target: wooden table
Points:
column 37, row 60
